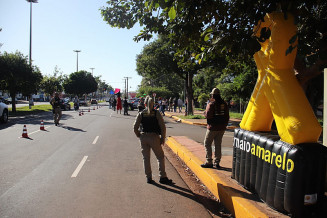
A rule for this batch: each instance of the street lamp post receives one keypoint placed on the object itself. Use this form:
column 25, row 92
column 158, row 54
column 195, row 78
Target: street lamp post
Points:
column 31, row 1
column 77, row 59
column 92, row 68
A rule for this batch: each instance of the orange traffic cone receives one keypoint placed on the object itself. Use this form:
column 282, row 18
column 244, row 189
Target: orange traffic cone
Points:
column 24, row 135
column 42, row 125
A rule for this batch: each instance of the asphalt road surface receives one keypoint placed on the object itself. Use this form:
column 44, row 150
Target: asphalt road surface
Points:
column 89, row 166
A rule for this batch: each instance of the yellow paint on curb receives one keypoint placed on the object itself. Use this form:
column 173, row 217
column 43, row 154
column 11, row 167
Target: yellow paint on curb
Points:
column 231, row 198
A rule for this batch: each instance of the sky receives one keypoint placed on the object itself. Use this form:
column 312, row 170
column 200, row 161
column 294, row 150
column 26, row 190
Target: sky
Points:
column 60, row 27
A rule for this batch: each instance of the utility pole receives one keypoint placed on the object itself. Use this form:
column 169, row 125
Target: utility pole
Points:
column 127, row 85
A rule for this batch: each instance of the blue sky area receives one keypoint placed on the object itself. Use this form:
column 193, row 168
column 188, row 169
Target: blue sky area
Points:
column 59, row 27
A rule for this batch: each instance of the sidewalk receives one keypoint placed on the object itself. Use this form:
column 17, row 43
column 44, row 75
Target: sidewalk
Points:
column 239, row 201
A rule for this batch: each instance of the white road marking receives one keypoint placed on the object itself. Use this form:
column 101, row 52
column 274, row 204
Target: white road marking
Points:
column 95, row 140
column 36, row 131
column 79, row 167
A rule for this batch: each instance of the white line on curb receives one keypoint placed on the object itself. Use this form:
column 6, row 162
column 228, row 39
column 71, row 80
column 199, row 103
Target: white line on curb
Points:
column 95, row 140
column 79, row 167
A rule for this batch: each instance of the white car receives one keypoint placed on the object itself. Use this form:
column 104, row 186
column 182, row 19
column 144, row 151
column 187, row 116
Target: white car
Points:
column 3, row 112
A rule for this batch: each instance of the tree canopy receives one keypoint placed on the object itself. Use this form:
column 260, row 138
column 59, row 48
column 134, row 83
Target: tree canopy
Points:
column 79, row 83
column 17, row 75
column 209, row 26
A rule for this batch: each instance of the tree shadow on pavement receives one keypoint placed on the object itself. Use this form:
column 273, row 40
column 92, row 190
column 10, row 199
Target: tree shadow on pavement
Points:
column 211, row 205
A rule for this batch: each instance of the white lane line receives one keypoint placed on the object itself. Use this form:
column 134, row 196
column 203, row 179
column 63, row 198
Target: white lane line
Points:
column 95, row 140
column 79, row 167
column 36, row 131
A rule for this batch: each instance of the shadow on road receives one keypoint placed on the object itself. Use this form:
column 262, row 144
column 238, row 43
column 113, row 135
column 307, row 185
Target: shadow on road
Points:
column 213, row 206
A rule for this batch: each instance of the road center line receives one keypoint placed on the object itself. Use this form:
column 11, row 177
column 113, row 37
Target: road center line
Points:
column 79, row 167
column 95, row 140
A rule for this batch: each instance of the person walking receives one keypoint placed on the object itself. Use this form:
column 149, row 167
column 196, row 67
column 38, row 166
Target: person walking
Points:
column 55, row 102
column 125, row 105
column 217, row 114
column 152, row 136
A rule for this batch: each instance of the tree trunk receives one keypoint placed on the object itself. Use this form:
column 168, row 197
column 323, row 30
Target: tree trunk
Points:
column 189, row 90
column 13, row 101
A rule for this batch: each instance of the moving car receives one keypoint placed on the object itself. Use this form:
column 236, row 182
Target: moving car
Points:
column 4, row 112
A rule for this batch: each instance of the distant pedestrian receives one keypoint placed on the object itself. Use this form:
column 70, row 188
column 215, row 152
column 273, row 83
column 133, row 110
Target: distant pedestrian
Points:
column 119, row 105
column 125, row 105
column 114, row 103
column 217, row 114
column 55, row 102
column 180, row 105
column 152, row 136
column 175, row 104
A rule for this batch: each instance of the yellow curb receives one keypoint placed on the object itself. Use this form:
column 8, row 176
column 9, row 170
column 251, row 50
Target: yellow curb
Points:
column 232, row 200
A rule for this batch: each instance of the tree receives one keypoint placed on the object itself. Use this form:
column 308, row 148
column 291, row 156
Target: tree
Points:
column 158, row 67
column 79, row 83
column 17, row 75
column 208, row 27
column 53, row 83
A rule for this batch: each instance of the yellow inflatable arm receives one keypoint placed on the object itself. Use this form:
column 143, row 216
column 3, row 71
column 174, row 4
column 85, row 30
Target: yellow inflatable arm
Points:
column 277, row 94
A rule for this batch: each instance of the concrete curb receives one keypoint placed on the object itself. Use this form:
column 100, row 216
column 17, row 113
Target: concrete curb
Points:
column 221, row 187
column 195, row 123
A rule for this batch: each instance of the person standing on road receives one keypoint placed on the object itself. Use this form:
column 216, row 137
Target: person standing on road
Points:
column 55, row 102
column 119, row 105
column 152, row 136
column 125, row 105
column 180, row 105
column 217, row 114
column 114, row 102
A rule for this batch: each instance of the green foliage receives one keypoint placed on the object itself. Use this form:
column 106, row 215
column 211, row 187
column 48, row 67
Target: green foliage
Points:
column 79, row 83
column 17, row 75
column 157, row 66
column 203, row 98
column 53, row 83
column 160, row 92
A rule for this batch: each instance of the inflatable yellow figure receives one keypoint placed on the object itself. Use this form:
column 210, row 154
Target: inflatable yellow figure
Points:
column 277, row 94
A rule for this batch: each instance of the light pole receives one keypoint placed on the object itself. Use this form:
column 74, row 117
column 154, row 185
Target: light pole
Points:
column 92, row 68
column 77, row 59
column 126, row 79
column 31, row 1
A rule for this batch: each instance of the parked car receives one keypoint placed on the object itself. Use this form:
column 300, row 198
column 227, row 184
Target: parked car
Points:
column 4, row 112
column 64, row 104
column 133, row 103
column 82, row 102
column 94, row 101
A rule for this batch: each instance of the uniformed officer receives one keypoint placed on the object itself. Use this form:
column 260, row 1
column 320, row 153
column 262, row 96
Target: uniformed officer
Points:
column 55, row 102
column 152, row 136
column 217, row 114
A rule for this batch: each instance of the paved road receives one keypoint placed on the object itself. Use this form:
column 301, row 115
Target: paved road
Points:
column 89, row 166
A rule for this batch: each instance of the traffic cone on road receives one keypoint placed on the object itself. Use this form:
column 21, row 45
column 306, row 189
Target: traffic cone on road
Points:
column 24, row 135
column 42, row 125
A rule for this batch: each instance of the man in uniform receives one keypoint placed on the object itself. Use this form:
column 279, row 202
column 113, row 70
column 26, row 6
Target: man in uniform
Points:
column 152, row 136
column 217, row 114
column 55, row 102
